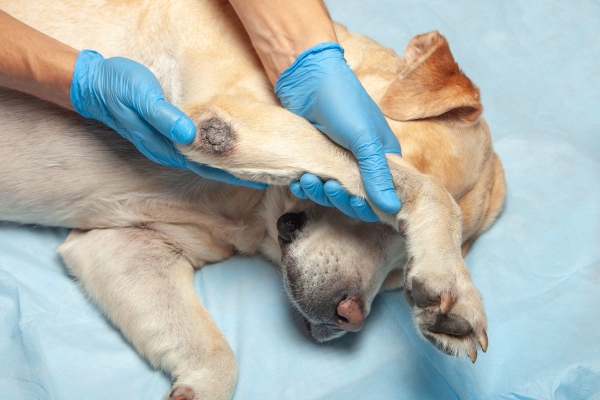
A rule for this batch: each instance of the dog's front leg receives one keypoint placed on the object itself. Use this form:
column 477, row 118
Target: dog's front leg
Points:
column 266, row 143
column 144, row 284
column 448, row 308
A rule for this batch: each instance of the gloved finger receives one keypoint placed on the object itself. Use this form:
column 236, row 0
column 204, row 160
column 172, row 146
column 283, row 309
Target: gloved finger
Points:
column 216, row 174
column 363, row 209
column 147, row 140
column 158, row 149
column 376, row 176
column 296, row 189
column 339, row 198
column 353, row 206
column 169, row 120
column 313, row 188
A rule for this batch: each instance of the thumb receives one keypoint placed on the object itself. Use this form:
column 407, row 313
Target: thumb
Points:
column 170, row 121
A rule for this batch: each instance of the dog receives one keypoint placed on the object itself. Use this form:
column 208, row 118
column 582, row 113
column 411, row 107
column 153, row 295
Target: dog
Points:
column 141, row 229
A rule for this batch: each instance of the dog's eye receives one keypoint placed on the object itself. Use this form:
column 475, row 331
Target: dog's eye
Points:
column 288, row 225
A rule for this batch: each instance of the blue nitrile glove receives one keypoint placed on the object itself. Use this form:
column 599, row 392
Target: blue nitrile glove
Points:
column 321, row 87
column 127, row 97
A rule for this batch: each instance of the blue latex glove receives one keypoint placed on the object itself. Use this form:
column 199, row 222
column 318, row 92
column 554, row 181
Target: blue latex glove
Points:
column 321, row 87
column 127, row 97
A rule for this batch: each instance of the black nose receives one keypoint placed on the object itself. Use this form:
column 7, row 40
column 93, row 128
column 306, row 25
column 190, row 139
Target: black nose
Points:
column 288, row 225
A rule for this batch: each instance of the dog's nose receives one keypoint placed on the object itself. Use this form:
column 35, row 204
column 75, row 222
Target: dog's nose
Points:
column 349, row 315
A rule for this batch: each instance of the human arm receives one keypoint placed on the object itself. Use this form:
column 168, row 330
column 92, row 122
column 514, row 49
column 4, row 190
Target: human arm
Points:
column 35, row 63
column 297, row 45
column 118, row 92
column 279, row 29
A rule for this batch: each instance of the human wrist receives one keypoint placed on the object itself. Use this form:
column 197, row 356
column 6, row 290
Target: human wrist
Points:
column 280, row 30
column 34, row 63
column 52, row 75
column 286, row 50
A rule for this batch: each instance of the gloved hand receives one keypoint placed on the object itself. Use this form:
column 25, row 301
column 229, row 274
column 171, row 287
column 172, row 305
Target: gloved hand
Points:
column 127, row 97
column 321, row 87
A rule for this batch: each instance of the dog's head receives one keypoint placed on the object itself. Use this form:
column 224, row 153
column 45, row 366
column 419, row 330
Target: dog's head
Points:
column 333, row 266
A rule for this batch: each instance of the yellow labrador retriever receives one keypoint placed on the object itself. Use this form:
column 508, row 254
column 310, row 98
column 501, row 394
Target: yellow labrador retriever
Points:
column 141, row 229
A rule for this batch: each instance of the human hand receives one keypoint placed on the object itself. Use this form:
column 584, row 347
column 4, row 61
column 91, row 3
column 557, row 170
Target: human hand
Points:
column 321, row 87
column 127, row 97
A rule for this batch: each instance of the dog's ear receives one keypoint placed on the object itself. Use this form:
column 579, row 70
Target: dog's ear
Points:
column 430, row 85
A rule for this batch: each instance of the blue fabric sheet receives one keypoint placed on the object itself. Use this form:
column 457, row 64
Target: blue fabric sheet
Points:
column 538, row 67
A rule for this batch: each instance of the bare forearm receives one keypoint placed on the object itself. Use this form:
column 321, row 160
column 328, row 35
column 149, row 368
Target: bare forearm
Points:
column 282, row 29
column 35, row 63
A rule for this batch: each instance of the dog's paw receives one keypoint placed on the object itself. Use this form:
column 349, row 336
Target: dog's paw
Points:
column 217, row 390
column 448, row 311
column 182, row 392
column 203, row 386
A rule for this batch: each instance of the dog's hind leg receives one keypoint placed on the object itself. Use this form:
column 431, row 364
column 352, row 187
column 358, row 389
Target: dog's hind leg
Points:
column 143, row 282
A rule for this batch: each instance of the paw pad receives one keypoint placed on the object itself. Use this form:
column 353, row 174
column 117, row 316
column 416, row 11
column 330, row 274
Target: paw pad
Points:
column 452, row 320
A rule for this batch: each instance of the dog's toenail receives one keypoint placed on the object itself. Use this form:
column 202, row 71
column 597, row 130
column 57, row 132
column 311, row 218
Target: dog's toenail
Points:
column 483, row 340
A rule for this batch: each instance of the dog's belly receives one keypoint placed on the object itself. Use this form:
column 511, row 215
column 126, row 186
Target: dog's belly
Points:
column 51, row 167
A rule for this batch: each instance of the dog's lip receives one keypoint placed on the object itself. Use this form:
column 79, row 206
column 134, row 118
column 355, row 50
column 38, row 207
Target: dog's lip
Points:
column 332, row 326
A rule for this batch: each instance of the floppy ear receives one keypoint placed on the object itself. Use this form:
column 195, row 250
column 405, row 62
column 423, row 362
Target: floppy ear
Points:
column 431, row 85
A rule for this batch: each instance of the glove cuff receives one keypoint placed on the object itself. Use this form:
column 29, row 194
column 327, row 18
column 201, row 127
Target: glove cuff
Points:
column 314, row 55
column 81, row 94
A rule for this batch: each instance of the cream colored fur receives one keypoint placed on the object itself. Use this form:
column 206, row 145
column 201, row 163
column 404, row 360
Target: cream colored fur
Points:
column 141, row 229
